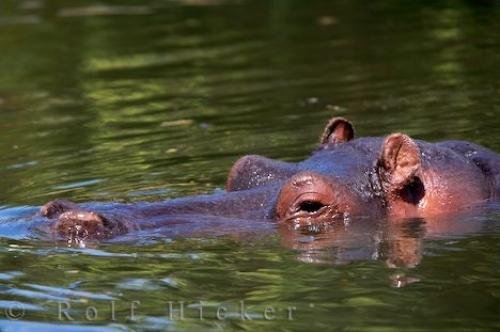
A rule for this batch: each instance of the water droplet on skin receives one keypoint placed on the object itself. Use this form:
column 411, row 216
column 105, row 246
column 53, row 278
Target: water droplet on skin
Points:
column 347, row 219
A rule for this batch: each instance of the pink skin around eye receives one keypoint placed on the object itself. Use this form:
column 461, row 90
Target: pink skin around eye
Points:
column 313, row 195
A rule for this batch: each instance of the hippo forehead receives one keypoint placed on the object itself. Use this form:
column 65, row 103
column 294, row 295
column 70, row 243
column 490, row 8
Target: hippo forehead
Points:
column 348, row 162
column 352, row 158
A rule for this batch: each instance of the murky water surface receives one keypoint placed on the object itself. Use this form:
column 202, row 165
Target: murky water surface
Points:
column 141, row 101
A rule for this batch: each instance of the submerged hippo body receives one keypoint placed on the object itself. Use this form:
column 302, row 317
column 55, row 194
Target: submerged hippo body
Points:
column 394, row 176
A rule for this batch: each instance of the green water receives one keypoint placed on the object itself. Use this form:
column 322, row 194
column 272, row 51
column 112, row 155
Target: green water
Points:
column 133, row 101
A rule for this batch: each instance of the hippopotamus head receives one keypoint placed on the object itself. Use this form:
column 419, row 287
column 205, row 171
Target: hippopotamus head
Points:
column 346, row 176
column 394, row 176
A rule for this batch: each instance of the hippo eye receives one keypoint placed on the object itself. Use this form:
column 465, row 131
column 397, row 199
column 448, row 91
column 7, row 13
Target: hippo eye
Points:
column 306, row 196
column 310, row 206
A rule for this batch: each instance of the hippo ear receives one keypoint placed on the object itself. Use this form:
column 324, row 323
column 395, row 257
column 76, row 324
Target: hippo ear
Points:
column 337, row 130
column 399, row 163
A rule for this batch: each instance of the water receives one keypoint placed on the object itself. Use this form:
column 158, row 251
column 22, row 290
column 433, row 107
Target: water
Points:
column 133, row 101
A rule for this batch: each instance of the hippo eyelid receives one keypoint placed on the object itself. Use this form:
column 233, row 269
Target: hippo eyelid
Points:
column 311, row 203
column 310, row 206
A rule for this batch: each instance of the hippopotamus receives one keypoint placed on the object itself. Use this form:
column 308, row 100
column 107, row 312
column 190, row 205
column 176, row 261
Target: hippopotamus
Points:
column 346, row 178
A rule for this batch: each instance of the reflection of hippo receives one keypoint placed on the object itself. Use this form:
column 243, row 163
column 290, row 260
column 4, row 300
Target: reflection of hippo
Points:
column 345, row 177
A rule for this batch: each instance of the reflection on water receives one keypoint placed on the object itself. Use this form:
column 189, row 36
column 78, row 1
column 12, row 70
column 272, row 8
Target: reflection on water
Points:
column 129, row 102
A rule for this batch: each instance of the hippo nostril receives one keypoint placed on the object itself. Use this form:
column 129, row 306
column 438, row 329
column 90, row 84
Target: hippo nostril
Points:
column 310, row 206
